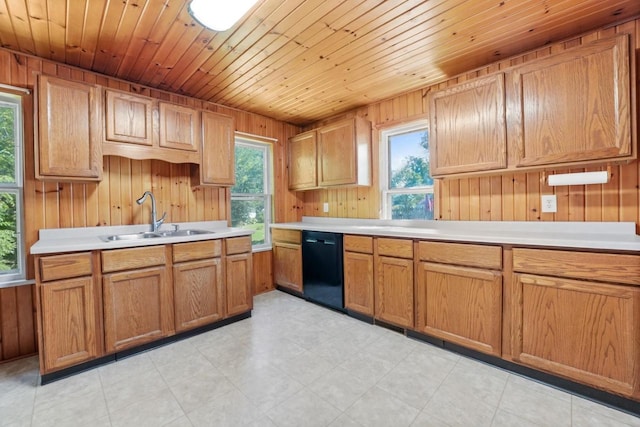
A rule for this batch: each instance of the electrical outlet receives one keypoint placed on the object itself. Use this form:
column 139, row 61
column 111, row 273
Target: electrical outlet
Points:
column 325, row 207
column 549, row 203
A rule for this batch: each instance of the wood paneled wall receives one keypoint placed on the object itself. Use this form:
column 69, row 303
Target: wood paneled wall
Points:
column 509, row 197
column 112, row 201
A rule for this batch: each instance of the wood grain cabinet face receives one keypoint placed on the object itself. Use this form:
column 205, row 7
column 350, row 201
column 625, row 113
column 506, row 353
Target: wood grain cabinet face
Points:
column 179, row 127
column 287, row 258
column 358, row 282
column 574, row 106
column 583, row 330
column 128, row 118
column 69, row 333
column 239, row 275
column 461, row 305
column 217, row 167
column 393, row 286
column 344, row 153
column 198, row 290
column 69, row 146
column 302, row 155
column 138, row 307
column 468, row 127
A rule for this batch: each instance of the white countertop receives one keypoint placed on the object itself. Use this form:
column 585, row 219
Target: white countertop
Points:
column 88, row 238
column 609, row 236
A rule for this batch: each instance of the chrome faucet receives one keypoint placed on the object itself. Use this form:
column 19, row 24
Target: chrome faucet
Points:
column 155, row 224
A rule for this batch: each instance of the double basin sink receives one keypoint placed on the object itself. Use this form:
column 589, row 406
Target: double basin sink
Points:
column 154, row 235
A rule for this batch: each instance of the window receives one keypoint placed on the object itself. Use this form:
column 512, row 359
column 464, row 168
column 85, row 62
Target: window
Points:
column 251, row 196
column 405, row 178
column 12, row 258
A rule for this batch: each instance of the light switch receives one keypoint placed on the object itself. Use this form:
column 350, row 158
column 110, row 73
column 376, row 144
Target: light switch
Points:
column 325, row 207
column 549, row 203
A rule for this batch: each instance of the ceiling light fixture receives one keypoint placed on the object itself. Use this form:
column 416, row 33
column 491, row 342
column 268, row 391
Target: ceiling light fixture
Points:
column 219, row 15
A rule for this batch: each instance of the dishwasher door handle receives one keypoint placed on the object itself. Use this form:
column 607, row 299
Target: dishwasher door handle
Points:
column 329, row 242
column 311, row 240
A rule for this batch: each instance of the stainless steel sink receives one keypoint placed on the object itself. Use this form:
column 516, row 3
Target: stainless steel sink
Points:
column 186, row 232
column 154, row 235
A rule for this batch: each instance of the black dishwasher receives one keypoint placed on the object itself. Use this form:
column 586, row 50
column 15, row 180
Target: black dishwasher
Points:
column 322, row 268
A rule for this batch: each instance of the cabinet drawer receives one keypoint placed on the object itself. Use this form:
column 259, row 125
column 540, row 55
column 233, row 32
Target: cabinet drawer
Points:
column 286, row 236
column 461, row 254
column 197, row 250
column 131, row 258
column 578, row 265
column 238, row 245
column 65, row 266
column 363, row 244
column 398, row 248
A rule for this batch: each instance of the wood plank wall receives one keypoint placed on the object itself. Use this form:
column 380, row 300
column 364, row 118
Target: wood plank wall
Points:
column 112, row 201
column 509, row 197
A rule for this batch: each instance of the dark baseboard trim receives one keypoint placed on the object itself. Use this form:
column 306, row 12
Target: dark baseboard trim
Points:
column 67, row 372
column 629, row 406
column 360, row 316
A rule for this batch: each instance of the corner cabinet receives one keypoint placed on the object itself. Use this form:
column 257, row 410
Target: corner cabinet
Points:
column 573, row 106
column 576, row 314
column 217, row 165
column 468, row 127
column 69, row 134
column 335, row 155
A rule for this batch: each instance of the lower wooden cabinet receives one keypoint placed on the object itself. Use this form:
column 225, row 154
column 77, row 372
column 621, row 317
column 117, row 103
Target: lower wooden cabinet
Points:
column 198, row 293
column 358, row 274
column 287, row 258
column 582, row 330
column 239, row 275
column 393, row 262
column 138, row 307
column 461, row 305
column 68, row 313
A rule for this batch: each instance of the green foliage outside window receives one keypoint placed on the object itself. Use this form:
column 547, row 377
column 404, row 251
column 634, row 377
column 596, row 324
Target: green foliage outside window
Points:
column 8, row 219
column 248, row 200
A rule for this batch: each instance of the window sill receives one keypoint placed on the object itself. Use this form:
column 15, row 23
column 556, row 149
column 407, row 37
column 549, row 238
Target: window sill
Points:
column 16, row 283
column 261, row 249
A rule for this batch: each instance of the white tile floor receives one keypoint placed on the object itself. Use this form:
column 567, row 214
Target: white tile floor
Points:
column 293, row 364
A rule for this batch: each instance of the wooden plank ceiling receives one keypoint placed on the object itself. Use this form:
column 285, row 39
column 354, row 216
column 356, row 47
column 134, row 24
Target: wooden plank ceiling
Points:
column 296, row 61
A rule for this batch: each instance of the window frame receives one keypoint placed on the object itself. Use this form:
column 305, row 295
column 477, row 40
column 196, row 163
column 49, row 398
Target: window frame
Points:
column 18, row 275
column 387, row 193
column 267, row 196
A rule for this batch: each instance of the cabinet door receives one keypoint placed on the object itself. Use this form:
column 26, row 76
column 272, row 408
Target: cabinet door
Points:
column 129, row 118
column 138, row 307
column 302, row 161
column 337, row 154
column 468, row 127
column 358, row 282
column 394, row 291
column 69, row 130
column 287, row 265
column 574, row 106
column 198, row 293
column 582, row 330
column 68, row 323
column 179, row 127
column 239, row 284
column 218, row 150
column 461, row 305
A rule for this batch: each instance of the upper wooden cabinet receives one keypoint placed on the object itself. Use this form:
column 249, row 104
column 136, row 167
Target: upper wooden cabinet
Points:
column 468, row 127
column 568, row 108
column 338, row 154
column 179, row 127
column 574, row 106
column 302, row 161
column 217, row 166
column 128, row 118
column 69, row 133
